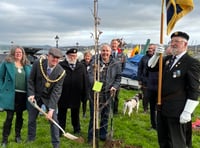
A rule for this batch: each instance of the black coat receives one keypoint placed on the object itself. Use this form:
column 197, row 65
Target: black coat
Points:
column 179, row 84
column 74, row 86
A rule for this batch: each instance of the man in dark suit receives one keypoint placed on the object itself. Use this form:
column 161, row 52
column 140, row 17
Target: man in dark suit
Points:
column 45, row 86
column 180, row 91
column 117, row 53
column 74, row 90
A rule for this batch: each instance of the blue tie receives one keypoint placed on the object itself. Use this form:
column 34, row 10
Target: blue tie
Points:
column 171, row 61
column 48, row 71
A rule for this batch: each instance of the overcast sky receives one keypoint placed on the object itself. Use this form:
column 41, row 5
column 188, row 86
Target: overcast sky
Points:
column 37, row 22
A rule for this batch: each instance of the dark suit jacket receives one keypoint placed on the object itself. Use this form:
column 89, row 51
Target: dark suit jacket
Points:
column 36, row 85
column 182, row 82
column 74, row 86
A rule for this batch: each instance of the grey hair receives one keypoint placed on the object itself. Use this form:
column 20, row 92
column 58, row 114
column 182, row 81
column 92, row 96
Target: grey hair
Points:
column 105, row 45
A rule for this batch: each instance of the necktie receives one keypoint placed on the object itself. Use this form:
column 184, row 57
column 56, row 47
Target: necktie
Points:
column 171, row 61
column 48, row 71
column 116, row 54
column 72, row 66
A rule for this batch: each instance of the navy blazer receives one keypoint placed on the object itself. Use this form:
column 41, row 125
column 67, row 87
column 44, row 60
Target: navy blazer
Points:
column 180, row 83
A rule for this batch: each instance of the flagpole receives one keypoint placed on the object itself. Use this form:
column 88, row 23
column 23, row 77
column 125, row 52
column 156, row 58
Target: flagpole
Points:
column 161, row 56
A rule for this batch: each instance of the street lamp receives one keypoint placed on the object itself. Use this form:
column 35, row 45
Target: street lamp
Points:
column 77, row 45
column 12, row 43
column 56, row 38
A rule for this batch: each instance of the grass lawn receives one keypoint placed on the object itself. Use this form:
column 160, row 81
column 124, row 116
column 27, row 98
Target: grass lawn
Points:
column 132, row 130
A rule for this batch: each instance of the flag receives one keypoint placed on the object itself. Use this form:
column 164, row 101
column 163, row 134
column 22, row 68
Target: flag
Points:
column 176, row 9
column 135, row 51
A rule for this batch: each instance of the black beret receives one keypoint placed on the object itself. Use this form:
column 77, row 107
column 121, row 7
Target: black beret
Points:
column 55, row 52
column 180, row 34
column 72, row 50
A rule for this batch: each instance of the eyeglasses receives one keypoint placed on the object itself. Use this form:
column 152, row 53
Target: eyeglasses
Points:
column 176, row 41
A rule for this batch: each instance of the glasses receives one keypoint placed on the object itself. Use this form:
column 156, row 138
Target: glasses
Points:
column 175, row 41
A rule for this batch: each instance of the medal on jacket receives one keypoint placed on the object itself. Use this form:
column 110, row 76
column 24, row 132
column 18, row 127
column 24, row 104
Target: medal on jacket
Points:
column 47, row 84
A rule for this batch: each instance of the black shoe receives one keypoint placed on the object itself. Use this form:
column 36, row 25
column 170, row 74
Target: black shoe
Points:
column 18, row 139
column 90, row 141
column 102, row 138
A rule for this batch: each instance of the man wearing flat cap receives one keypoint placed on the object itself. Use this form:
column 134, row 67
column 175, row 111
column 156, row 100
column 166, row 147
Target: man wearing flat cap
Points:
column 180, row 92
column 44, row 87
column 74, row 90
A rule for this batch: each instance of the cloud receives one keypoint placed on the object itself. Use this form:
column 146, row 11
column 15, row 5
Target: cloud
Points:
column 37, row 22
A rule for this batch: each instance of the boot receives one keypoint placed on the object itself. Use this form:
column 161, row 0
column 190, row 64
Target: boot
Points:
column 18, row 127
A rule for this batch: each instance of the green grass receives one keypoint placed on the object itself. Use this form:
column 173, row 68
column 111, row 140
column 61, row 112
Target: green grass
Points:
column 131, row 130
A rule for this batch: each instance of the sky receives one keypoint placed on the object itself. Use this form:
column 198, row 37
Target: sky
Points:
column 37, row 22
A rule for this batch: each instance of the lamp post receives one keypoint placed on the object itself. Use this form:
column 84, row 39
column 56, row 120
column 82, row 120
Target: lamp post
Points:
column 56, row 38
column 12, row 43
column 77, row 45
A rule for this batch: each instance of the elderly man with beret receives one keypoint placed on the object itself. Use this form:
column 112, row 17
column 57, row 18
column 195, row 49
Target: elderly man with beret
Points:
column 45, row 86
column 180, row 91
column 73, row 91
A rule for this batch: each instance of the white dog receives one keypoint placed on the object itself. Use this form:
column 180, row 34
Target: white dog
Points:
column 131, row 104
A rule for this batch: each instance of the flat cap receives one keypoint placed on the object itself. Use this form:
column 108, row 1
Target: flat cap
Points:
column 55, row 52
column 180, row 34
column 71, row 50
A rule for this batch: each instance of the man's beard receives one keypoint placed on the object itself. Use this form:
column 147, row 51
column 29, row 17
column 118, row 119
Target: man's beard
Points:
column 71, row 61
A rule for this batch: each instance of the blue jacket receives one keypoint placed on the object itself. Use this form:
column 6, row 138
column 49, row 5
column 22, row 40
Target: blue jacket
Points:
column 7, row 84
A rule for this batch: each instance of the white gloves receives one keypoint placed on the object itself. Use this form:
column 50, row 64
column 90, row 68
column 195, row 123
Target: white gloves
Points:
column 188, row 110
column 154, row 59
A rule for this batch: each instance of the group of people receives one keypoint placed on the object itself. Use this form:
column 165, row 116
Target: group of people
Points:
column 170, row 113
column 63, row 85
column 59, row 85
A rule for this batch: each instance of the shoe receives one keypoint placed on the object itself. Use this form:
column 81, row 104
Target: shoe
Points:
column 90, row 141
column 77, row 133
column 18, row 140
column 102, row 138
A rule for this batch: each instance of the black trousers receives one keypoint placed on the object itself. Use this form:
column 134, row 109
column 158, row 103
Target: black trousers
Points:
column 153, row 95
column 116, row 102
column 171, row 134
column 75, row 119
column 32, row 116
column 20, row 101
column 145, row 99
column 8, row 124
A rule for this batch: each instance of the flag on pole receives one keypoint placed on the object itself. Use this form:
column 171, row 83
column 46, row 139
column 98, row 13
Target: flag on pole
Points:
column 176, row 9
column 135, row 51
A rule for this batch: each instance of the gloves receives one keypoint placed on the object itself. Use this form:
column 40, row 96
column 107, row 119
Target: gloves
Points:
column 159, row 50
column 154, row 59
column 188, row 110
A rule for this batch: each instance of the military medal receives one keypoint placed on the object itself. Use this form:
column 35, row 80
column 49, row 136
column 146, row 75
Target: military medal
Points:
column 47, row 84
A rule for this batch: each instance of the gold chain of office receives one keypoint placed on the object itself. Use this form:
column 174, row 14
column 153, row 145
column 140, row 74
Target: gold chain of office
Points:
column 46, row 77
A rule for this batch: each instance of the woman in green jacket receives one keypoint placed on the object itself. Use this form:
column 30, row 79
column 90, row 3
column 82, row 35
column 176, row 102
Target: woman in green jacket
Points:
column 14, row 72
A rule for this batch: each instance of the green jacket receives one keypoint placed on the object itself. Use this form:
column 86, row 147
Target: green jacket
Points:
column 7, row 84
